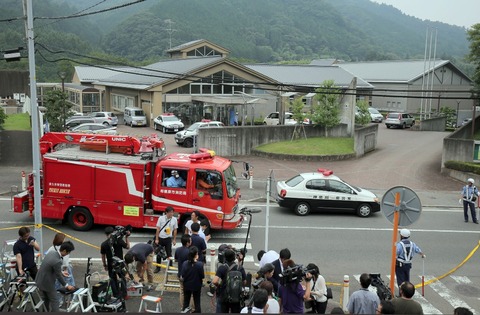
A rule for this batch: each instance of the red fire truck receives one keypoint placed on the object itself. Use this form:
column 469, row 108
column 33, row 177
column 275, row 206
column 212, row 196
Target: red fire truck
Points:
column 120, row 180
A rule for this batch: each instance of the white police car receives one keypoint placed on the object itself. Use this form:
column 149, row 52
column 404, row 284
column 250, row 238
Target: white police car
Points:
column 321, row 190
column 168, row 122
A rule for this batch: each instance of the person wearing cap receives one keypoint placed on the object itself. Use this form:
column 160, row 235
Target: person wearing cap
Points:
column 405, row 251
column 175, row 180
column 469, row 197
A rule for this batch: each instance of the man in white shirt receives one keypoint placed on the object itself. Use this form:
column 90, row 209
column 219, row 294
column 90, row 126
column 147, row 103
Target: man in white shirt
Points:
column 267, row 257
column 166, row 233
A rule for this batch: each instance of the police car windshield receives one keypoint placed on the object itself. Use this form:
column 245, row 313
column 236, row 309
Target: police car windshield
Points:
column 194, row 127
column 294, row 181
column 170, row 118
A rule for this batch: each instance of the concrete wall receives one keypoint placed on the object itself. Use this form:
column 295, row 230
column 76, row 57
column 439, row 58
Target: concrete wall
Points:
column 365, row 139
column 15, row 148
column 433, row 124
column 232, row 141
column 459, row 146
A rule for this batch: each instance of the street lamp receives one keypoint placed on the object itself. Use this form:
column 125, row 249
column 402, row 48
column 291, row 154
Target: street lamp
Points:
column 62, row 76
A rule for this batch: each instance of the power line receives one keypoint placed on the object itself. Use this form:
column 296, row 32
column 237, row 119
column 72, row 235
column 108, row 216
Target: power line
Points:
column 89, row 13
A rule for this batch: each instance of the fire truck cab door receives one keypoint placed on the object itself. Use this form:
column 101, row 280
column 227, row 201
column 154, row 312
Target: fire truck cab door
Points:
column 208, row 190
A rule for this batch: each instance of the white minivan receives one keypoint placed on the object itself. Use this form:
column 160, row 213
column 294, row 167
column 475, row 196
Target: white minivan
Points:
column 134, row 116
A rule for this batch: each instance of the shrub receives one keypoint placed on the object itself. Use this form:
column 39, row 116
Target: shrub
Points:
column 463, row 166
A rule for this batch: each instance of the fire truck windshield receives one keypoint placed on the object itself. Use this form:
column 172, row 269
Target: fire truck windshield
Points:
column 231, row 181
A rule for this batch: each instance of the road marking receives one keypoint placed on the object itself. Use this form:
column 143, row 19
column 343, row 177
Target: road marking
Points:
column 447, row 294
column 327, row 228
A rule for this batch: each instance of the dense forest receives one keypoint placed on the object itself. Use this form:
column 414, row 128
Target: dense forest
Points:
column 267, row 31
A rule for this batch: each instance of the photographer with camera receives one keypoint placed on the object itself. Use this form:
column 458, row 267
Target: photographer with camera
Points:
column 292, row 292
column 273, row 306
column 142, row 253
column 318, row 291
column 24, row 251
column 363, row 301
column 266, row 274
column 229, row 279
column 113, row 247
column 258, row 304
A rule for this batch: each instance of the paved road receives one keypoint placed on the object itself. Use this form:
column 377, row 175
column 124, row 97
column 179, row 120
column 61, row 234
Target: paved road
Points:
column 349, row 245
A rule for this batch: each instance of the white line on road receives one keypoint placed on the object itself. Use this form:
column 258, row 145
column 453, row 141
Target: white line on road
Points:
column 447, row 294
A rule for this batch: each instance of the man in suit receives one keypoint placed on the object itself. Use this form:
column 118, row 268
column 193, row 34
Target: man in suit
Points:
column 50, row 270
column 278, row 264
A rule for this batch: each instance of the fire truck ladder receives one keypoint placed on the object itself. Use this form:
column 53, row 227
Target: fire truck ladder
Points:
column 170, row 283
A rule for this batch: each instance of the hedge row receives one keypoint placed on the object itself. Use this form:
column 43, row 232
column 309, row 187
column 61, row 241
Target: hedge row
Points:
column 463, row 166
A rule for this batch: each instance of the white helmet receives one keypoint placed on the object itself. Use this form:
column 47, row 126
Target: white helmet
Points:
column 405, row 232
column 471, row 180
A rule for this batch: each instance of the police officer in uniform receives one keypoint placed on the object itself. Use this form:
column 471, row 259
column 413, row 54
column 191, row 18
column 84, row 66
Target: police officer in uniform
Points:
column 469, row 197
column 405, row 251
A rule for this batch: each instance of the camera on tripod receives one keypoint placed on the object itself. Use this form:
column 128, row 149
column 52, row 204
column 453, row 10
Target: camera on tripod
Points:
column 294, row 274
column 160, row 251
column 118, row 266
column 121, row 231
column 383, row 291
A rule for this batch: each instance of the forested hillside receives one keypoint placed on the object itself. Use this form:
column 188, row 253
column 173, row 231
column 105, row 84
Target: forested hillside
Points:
column 264, row 31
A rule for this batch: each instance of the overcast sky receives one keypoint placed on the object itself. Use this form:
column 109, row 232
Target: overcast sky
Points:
column 457, row 12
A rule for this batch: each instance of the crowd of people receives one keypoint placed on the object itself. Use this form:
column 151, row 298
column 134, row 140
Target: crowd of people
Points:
column 279, row 286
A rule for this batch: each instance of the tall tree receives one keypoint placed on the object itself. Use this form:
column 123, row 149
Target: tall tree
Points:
column 58, row 109
column 473, row 35
column 3, row 116
column 326, row 112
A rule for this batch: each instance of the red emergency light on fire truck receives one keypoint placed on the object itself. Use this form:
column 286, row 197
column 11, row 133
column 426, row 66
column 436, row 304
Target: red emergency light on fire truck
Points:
column 119, row 180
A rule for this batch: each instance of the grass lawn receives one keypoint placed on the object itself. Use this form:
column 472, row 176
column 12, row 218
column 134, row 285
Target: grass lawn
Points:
column 312, row 146
column 17, row 122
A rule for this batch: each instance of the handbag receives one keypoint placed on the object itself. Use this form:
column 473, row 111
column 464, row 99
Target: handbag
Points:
column 329, row 294
column 310, row 303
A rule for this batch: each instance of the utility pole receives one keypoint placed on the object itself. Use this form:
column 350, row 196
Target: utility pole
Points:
column 169, row 30
column 28, row 10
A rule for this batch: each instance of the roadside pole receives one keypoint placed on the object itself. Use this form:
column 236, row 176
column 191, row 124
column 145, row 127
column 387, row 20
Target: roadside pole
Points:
column 28, row 10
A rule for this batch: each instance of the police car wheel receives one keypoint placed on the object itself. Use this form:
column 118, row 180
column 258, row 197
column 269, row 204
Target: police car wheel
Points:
column 364, row 210
column 302, row 208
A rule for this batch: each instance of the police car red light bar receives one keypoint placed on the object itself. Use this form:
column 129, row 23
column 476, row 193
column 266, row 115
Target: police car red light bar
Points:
column 325, row 172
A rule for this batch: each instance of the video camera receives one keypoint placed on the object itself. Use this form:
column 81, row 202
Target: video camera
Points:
column 383, row 291
column 121, row 231
column 294, row 274
column 160, row 250
column 223, row 247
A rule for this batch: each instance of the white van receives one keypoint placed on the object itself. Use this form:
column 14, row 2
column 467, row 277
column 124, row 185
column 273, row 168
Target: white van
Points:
column 134, row 116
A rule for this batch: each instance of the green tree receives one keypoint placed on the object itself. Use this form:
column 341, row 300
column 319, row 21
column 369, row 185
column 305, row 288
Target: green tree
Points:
column 450, row 114
column 297, row 110
column 3, row 116
column 326, row 111
column 57, row 109
column 473, row 35
column 362, row 117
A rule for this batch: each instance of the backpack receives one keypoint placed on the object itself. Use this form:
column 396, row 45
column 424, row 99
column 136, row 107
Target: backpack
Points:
column 233, row 285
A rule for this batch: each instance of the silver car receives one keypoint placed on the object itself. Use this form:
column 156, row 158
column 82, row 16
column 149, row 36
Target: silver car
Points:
column 186, row 137
column 400, row 120
column 95, row 129
column 106, row 118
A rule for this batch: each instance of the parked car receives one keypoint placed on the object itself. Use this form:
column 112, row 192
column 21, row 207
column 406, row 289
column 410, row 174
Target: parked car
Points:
column 466, row 121
column 168, row 122
column 274, row 119
column 186, row 137
column 321, row 190
column 400, row 120
column 133, row 116
column 95, row 128
column 375, row 115
column 76, row 121
column 106, row 118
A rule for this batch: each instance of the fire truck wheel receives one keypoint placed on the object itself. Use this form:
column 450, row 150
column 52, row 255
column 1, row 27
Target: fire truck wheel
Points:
column 80, row 219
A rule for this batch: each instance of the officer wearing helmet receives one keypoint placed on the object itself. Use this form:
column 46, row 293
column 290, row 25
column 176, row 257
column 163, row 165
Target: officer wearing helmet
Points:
column 175, row 180
column 469, row 197
column 405, row 251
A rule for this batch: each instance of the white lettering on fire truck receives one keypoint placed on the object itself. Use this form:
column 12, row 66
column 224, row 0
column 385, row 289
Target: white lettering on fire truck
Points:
column 119, row 139
column 172, row 191
column 59, row 185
